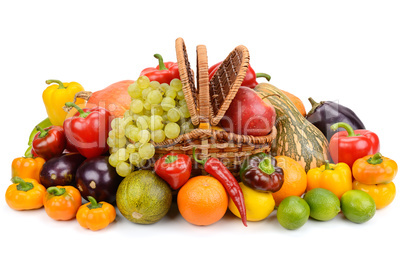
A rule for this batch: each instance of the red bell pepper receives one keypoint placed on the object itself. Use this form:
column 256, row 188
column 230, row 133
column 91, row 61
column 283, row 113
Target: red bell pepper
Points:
column 49, row 142
column 175, row 169
column 250, row 80
column 350, row 145
column 164, row 72
column 88, row 130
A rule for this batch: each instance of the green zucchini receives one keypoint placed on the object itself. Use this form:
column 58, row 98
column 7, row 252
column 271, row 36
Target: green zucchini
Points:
column 297, row 138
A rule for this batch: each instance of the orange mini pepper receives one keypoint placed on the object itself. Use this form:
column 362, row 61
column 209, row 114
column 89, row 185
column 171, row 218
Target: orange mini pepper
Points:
column 25, row 194
column 335, row 178
column 382, row 193
column 374, row 169
column 27, row 167
column 62, row 202
column 95, row 216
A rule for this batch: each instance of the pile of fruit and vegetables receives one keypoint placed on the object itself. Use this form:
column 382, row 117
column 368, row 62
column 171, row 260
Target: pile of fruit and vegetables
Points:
column 95, row 153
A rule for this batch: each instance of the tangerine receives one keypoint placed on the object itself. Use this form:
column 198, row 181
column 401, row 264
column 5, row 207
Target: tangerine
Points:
column 202, row 200
column 294, row 180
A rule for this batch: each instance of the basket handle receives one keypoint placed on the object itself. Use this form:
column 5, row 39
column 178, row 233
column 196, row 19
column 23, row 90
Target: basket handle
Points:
column 203, row 87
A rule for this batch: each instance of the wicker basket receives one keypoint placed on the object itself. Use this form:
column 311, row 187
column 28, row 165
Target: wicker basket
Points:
column 207, row 103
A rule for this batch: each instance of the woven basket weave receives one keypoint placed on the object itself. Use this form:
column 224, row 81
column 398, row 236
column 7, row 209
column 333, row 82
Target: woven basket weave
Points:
column 207, row 102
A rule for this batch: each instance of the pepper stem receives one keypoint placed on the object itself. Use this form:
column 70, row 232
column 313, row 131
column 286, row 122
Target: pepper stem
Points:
column 375, row 159
column 346, row 126
column 266, row 166
column 93, row 204
column 82, row 113
column 202, row 162
column 327, row 166
column 161, row 64
column 50, row 81
column 170, row 159
column 266, row 76
column 22, row 185
column 53, row 190
column 43, row 132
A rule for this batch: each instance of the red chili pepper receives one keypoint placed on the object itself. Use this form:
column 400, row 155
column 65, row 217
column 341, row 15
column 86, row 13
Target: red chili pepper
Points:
column 175, row 169
column 250, row 80
column 218, row 170
column 164, row 72
column 49, row 142
column 350, row 145
column 88, row 130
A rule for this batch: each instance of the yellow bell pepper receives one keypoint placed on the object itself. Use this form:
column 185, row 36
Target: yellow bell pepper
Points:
column 55, row 96
column 335, row 178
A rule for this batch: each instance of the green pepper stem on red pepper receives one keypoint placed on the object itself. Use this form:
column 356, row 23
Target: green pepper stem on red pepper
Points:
column 260, row 172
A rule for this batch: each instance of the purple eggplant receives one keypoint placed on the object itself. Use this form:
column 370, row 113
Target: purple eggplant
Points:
column 61, row 170
column 326, row 113
column 97, row 178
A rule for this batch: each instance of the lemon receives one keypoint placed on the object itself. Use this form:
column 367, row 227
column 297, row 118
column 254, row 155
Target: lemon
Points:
column 357, row 206
column 258, row 204
column 324, row 204
column 293, row 212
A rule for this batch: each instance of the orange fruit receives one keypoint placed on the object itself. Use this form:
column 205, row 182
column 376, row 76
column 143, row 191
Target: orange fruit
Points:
column 202, row 200
column 382, row 193
column 294, row 181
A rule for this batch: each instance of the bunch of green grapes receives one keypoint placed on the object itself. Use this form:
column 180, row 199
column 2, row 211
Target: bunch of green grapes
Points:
column 157, row 112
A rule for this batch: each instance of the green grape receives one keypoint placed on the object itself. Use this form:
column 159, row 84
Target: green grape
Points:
column 112, row 150
column 119, row 132
column 162, row 90
column 154, row 84
column 144, row 136
column 164, row 116
column 134, row 158
column 123, row 169
column 132, row 132
column 180, row 95
column 168, row 103
column 130, row 148
column 137, row 145
column 158, row 135
column 112, row 134
column 147, row 106
column 113, row 160
column 127, row 113
column 134, row 91
column 142, row 122
column 165, row 87
column 154, row 97
column 110, row 142
column 146, row 151
column 122, row 154
column 120, row 142
column 171, row 93
column 136, row 106
column 156, row 122
column 156, row 110
column 182, row 102
column 128, row 126
column 116, row 122
column 176, row 84
column 143, row 82
column 145, row 93
column 186, row 127
column 173, row 115
column 172, row 130
column 184, row 111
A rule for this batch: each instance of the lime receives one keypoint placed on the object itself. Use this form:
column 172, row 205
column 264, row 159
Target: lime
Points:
column 293, row 212
column 357, row 206
column 324, row 204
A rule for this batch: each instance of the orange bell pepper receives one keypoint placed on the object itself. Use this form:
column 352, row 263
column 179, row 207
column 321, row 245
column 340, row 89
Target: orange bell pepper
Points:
column 95, row 216
column 62, row 202
column 374, row 169
column 335, row 178
column 27, row 167
column 25, row 194
column 382, row 193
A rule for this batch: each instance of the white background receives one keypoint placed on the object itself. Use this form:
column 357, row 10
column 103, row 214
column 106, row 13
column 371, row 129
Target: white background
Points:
column 346, row 51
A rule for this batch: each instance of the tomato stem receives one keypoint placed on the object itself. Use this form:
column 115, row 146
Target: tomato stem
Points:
column 50, row 81
column 375, row 159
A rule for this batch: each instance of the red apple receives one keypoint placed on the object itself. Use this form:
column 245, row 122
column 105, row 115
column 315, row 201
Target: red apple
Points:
column 248, row 114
